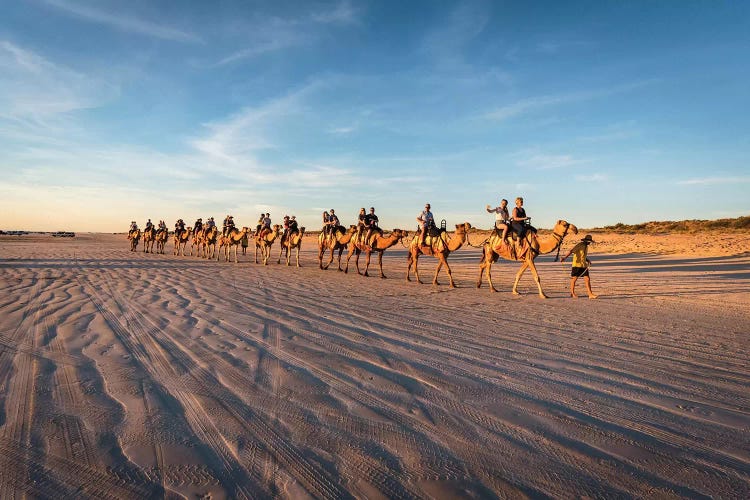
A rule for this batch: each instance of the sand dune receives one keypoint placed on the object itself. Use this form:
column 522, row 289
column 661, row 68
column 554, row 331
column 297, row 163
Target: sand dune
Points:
column 129, row 375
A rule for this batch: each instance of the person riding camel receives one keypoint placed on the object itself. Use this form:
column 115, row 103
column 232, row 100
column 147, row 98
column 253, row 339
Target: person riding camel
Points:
column 260, row 223
column 285, row 233
column 333, row 221
column 426, row 221
column 179, row 226
column 520, row 225
column 198, row 225
column 326, row 218
column 227, row 225
column 266, row 229
column 360, row 225
column 162, row 227
column 133, row 226
column 293, row 226
column 210, row 223
column 149, row 225
column 502, row 219
column 371, row 223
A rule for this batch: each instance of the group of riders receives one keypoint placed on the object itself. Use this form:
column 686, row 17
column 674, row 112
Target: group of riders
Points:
column 290, row 226
column 367, row 224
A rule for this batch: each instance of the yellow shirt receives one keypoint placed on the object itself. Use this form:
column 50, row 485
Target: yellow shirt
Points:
column 580, row 252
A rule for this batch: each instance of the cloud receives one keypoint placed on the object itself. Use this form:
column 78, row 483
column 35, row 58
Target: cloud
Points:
column 547, row 161
column 531, row 104
column 33, row 88
column 123, row 22
column 273, row 34
column 596, row 177
column 714, row 180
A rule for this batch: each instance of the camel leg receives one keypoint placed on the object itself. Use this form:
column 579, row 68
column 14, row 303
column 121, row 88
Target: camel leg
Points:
column 356, row 259
column 367, row 263
column 409, row 260
column 341, row 250
column 518, row 277
column 298, row 249
column 534, row 272
column 416, row 268
column 380, row 263
column 348, row 257
column 488, row 263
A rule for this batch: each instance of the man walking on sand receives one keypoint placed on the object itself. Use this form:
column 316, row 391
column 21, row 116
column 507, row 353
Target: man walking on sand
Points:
column 581, row 265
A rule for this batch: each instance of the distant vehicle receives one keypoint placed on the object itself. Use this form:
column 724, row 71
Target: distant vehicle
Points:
column 64, row 234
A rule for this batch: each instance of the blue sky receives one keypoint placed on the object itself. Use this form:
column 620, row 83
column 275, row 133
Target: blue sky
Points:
column 595, row 112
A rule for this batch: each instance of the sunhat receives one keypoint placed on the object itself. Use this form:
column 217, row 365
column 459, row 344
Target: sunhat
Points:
column 588, row 239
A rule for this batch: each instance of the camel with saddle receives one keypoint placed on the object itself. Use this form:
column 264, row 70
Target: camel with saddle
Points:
column 440, row 245
column 264, row 241
column 233, row 239
column 337, row 239
column 523, row 250
column 180, row 239
column 134, row 236
column 377, row 243
column 209, row 241
column 161, row 240
column 149, row 239
column 196, row 242
column 290, row 242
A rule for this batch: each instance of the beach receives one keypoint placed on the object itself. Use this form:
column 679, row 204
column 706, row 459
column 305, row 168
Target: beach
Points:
column 132, row 375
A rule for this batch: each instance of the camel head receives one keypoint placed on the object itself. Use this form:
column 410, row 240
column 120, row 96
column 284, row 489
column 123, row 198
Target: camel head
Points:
column 463, row 228
column 400, row 233
column 563, row 226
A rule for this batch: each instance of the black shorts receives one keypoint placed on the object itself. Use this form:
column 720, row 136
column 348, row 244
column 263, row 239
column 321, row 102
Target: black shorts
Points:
column 577, row 272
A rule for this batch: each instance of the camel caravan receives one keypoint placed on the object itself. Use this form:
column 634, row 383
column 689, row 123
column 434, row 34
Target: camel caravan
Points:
column 512, row 239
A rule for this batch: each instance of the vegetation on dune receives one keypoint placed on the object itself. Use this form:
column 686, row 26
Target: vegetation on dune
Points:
column 685, row 226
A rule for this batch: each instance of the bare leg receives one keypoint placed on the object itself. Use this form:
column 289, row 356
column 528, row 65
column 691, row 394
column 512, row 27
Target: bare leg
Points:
column 587, row 280
column 573, row 287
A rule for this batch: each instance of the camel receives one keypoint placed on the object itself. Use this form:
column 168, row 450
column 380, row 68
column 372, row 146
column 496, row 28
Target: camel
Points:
column 197, row 241
column 263, row 242
column 439, row 246
column 134, row 236
column 336, row 241
column 233, row 239
column 161, row 240
column 209, row 240
column 377, row 243
column 180, row 241
column 495, row 248
column 292, row 241
column 149, row 238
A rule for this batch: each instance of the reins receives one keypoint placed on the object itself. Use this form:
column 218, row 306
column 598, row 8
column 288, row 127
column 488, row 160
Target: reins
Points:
column 559, row 242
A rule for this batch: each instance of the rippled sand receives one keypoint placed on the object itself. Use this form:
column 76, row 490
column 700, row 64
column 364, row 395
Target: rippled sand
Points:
column 129, row 375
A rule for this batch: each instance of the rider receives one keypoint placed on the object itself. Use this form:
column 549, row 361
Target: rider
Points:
column 371, row 223
column 162, row 226
column 260, row 223
column 210, row 223
column 426, row 220
column 360, row 225
column 333, row 221
column 520, row 225
column 149, row 225
column 228, row 225
column 179, row 226
column 326, row 218
column 266, row 224
column 285, row 234
column 198, row 225
column 293, row 226
column 133, row 226
column 502, row 218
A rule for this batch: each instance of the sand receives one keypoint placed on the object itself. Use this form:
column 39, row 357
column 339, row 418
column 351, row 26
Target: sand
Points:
column 131, row 375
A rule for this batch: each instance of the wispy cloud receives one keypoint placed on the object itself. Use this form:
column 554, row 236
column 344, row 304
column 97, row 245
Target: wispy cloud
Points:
column 596, row 177
column 715, row 180
column 548, row 161
column 273, row 34
column 530, row 104
column 123, row 22
column 32, row 88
